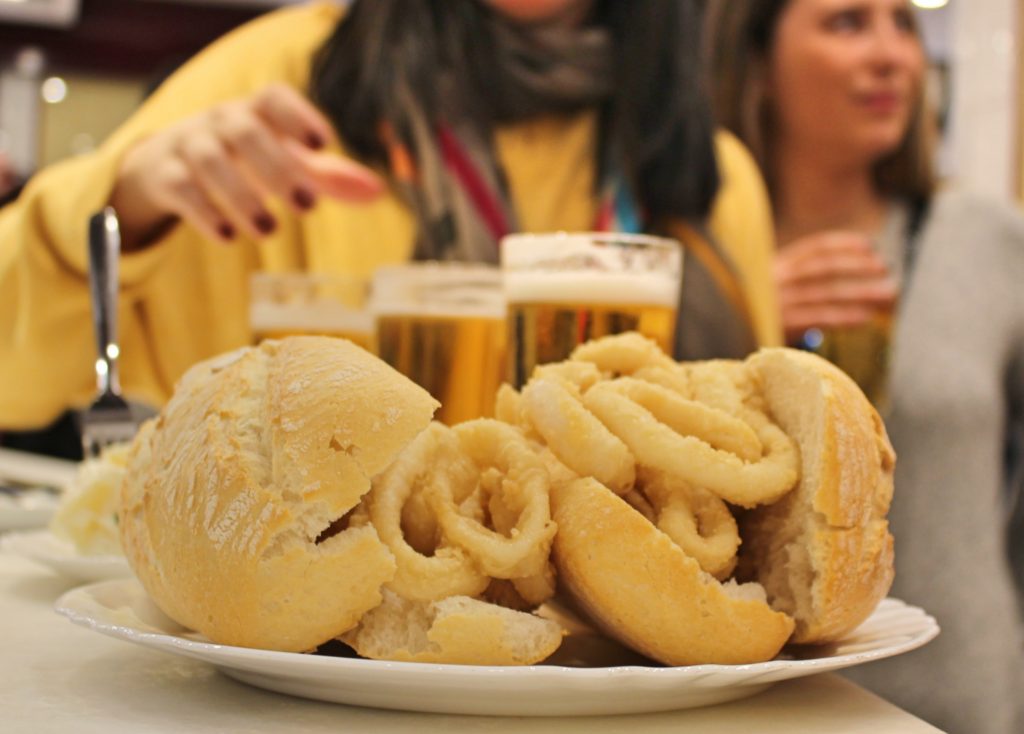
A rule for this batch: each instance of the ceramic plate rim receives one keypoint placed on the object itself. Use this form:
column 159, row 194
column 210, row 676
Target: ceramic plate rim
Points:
column 14, row 518
column 203, row 649
column 90, row 569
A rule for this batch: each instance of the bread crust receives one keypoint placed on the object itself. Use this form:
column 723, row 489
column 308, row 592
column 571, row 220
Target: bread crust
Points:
column 641, row 589
column 458, row 630
column 257, row 453
column 823, row 552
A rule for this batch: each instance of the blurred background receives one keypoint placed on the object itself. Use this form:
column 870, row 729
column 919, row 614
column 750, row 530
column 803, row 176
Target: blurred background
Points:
column 71, row 70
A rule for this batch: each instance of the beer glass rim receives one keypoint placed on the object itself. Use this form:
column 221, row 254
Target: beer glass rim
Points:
column 304, row 302
column 466, row 289
column 621, row 238
column 440, row 270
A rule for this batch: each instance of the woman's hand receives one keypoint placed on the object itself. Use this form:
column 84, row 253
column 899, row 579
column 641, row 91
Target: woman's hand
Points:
column 216, row 169
column 831, row 279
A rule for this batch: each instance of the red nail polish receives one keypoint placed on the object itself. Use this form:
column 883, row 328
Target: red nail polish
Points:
column 264, row 223
column 315, row 141
column 226, row 231
column 303, row 199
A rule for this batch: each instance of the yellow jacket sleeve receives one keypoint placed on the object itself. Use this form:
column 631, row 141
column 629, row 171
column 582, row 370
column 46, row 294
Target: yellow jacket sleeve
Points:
column 47, row 348
column 741, row 222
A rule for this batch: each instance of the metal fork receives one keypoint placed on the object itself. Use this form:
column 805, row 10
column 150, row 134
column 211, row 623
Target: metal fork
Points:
column 109, row 419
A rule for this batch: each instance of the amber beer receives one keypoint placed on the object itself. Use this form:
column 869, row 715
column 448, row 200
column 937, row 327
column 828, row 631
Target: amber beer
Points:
column 443, row 326
column 296, row 304
column 861, row 351
column 565, row 289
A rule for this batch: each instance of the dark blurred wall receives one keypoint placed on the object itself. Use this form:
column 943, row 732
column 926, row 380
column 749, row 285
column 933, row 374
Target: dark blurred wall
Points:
column 127, row 37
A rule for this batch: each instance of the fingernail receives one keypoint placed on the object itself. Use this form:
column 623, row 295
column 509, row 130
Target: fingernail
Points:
column 226, row 231
column 264, row 223
column 315, row 141
column 303, row 199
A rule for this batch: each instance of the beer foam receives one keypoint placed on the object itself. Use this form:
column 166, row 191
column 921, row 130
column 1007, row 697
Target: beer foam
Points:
column 442, row 311
column 325, row 317
column 439, row 290
column 592, row 268
column 591, row 288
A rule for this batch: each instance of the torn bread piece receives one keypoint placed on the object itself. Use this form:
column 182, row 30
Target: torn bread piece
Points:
column 458, row 630
column 235, row 501
column 643, row 590
column 823, row 552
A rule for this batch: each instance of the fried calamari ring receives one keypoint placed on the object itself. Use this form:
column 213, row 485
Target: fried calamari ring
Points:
column 508, row 408
column 698, row 522
column 687, row 458
column 508, row 405
column 730, row 386
column 720, row 383
column 524, row 488
column 623, row 354
column 419, row 525
column 538, row 588
column 690, row 418
column 576, row 437
column 532, row 590
column 433, row 457
column 523, row 594
column 673, row 379
column 582, row 375
column 558, row 472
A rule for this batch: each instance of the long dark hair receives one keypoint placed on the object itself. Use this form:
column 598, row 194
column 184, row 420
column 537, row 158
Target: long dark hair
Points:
column 739, row 37
column 657, row 122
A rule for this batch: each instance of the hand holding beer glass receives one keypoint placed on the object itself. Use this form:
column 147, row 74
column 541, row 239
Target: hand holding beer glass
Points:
column 838, row 297
column 443, row 326
column 293, row 304
column 566, row 288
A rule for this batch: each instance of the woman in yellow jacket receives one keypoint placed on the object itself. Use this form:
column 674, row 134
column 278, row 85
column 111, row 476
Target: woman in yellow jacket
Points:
column 469, row 119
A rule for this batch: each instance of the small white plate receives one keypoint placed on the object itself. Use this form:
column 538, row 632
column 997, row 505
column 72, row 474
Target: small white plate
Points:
column 44, row 547
column 122, row 609
column 29, row 508
column 23, row 467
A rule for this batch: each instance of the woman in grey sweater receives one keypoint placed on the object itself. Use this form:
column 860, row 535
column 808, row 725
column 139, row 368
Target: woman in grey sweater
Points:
column 829, row 96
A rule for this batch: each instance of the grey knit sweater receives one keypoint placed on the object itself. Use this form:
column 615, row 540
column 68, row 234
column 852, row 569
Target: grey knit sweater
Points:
column 957, row 394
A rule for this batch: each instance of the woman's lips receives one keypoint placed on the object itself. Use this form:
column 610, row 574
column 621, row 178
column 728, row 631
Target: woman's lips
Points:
column 881, row 103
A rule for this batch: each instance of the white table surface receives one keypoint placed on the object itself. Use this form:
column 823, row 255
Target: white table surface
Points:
column 57, row 677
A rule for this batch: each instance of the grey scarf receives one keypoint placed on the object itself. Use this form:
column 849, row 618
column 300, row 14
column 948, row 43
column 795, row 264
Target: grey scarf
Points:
column 547, row 71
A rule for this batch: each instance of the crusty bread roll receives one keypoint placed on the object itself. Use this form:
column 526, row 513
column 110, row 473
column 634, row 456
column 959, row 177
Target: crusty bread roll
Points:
column 230, row 492
column 641, row 589
column 823, row 552
column 458, row 630
column 822, row 555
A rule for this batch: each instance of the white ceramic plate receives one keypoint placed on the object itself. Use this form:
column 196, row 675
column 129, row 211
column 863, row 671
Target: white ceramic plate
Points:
column 122, row 609
column 43, row 547
column 22, row 467
column 29, row 508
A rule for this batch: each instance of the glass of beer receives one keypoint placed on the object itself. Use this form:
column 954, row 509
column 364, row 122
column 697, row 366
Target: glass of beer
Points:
column 862, row 352
column 291, row 304
column 566, row 288
column 443, row 326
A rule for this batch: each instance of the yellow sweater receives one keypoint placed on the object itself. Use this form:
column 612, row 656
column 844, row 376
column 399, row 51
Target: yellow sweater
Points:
column 185, row 299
